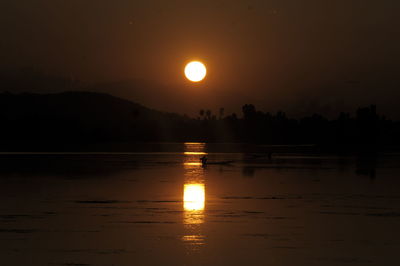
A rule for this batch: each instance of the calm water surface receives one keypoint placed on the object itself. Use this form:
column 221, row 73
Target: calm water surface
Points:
column 166, row 209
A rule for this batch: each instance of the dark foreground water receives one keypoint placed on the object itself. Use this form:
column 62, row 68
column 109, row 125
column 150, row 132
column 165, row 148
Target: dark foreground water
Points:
column 166, row 209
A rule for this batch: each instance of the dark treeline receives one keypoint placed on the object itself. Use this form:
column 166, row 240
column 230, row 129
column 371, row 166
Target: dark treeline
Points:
column 366, row 131
column 72, row 120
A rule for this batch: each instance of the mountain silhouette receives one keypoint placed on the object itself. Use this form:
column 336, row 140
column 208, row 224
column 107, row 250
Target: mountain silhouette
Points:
column 43, row 121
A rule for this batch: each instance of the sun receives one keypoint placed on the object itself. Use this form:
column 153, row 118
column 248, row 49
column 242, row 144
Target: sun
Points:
column 195, row 71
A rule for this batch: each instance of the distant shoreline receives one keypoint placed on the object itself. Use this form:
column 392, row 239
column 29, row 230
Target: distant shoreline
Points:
column 127, row 148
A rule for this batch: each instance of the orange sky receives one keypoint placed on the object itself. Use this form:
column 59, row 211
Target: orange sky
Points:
column 285, row 54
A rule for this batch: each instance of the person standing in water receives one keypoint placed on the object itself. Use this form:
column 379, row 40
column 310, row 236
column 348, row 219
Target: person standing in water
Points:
column 203, row 160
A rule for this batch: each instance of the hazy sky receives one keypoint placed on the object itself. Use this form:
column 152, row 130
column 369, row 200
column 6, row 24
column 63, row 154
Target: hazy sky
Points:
column 286, row 54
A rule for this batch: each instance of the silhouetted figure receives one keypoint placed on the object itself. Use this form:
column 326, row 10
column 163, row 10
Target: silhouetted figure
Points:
column 203, row 160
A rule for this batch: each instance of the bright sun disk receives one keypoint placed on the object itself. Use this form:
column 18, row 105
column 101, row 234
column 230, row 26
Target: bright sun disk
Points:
column 195, row 71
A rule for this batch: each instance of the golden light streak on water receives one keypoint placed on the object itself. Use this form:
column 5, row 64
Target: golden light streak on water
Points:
column 194, row 153
column 193, row 197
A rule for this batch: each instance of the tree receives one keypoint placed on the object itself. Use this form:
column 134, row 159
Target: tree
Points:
column 208, row 114
column 201, row 113
column 249, row 111
column 221, row 112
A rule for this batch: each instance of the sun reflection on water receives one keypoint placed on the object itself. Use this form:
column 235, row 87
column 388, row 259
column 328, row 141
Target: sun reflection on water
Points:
column 194, row 153
column 192, row 164
column 194, row 196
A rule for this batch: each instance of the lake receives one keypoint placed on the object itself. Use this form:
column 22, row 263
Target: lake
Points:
column 166, row 208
